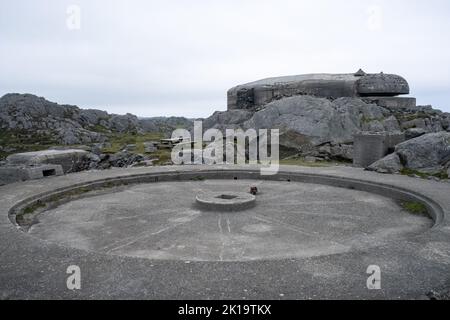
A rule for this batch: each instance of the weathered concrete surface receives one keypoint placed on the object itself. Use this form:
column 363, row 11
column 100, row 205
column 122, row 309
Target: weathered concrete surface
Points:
column 371, row 147
column 288, row 220
column 11, row 174
column 69, row 159
column 252, row 95
column 234, row 199
column 411, row 266
column 393, row 102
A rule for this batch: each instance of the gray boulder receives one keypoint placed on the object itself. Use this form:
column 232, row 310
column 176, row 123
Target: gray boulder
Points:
column 430, row 151
column 310, row 122
column 389, row 164
column 124, row 159
column 124, row 123
column 232, row 119
column 414, row 133
column 165, row 125
column 391, row 124
column 315, row 121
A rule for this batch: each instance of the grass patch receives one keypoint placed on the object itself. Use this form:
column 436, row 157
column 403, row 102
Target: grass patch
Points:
column 163, row 155
column 100, row 129
column 198, row 178
column 416, row 208
column 119, row 141
column 302, row 163
column 366, row 120
column 410, row 172
column 32, row 208
column 23, row 141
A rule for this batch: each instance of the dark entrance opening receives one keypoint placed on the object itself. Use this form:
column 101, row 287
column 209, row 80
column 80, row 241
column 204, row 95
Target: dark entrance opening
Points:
column 226, row 197
column 49, row 172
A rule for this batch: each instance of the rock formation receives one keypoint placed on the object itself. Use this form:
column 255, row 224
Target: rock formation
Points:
column 429, row 154
column 319, row 114
column 70, row 125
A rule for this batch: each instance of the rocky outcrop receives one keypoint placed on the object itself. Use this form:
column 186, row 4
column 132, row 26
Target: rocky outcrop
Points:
column 428, row 154
column 69, row 125
column 164, row 125
column 65, row 124
column 308, row 123
column 232, row 119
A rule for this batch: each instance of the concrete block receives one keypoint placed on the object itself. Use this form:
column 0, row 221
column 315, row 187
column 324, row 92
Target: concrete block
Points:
column 393, row 102
column 11, row 174
column 70, row 160
column 368, row 148
column 371, row 147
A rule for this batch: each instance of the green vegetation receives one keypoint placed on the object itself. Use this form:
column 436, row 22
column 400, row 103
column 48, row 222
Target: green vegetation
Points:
column 402, row 117
column 120, row 140
column 163, row 155
column 100, row 129
column 301, row 162
column 33, row 207
column 15, row 141
column 365, row 119
column 417, row 208
column 410, row 172
column 198, row 178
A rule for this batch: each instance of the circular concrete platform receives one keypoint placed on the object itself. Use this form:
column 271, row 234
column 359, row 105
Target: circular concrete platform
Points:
column 289, row 220
column 228, row 201
column 137, row 233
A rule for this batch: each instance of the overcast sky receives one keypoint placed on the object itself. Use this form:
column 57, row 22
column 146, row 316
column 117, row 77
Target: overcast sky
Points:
column 179, row 57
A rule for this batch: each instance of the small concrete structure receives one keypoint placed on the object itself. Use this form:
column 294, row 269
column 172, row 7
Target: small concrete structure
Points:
column 225, row 201
column 11, row 174
column 69, row 159
column 169, row 143
column 150, row 146
column 371, row 147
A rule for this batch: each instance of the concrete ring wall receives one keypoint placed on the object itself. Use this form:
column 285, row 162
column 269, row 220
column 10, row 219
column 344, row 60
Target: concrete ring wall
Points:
column 62, row 195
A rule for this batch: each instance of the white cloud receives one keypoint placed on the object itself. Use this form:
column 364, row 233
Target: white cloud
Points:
column 180, row 57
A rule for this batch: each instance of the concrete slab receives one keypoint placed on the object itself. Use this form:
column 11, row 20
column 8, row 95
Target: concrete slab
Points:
column 289, row 220
column 328, row 261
